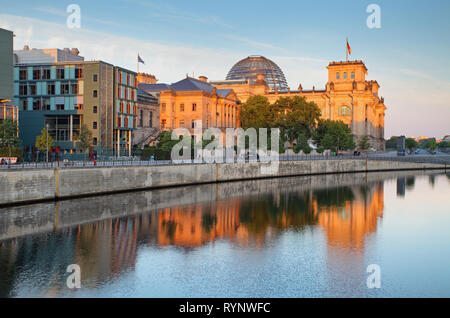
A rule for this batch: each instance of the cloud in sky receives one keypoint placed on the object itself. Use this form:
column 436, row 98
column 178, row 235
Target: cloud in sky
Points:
column 418, row 104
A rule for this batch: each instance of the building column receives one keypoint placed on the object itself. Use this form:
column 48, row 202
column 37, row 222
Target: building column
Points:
column 118, row 143
column 129, row 143
column 71, row 128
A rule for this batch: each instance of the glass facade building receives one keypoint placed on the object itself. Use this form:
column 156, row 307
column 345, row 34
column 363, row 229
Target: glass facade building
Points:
column 66, row 95
column 250, row 67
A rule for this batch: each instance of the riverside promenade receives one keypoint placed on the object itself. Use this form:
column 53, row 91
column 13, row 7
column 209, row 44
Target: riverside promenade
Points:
column 19, row 186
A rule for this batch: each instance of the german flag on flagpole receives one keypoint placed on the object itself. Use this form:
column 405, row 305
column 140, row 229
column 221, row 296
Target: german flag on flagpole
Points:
column 349, row 50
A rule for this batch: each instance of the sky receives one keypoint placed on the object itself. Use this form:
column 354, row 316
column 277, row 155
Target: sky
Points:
column 408, row 55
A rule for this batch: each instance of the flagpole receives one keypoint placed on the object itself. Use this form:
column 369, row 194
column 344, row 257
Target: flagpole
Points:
column 138, row 63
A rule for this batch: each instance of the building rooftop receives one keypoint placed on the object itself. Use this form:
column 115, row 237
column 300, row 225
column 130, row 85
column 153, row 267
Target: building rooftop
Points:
column 254, row 65
column 145, row 97
column 36, row 56
column 187, row 84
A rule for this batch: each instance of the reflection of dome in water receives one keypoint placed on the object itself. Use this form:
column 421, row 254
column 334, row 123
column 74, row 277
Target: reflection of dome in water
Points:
column 253, row 65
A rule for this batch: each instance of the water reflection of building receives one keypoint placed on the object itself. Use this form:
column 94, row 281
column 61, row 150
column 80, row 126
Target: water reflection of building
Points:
column 348, row 224
column 193, row 226
column 107, row 248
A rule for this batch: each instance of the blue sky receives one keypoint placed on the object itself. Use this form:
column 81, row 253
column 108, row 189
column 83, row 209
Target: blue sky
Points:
column 408, row 55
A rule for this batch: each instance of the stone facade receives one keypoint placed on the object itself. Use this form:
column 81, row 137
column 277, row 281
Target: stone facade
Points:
column 347, row 96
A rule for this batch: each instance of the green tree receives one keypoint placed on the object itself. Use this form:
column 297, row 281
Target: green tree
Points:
column 302, row 144
column 429, row 144
column 8, row 135
column 333, row 135
column 364, row 143
column 411, row 144
column 296, row 116
column 85, row 141
column 391, row 143
column 41, row 141
column 257, row 112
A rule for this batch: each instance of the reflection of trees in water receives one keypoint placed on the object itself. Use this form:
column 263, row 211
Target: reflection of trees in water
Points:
column 294, row 210
column 334, row 197
column 432, row 180
column 169, row 227
column 208, row 222
column 410, row 182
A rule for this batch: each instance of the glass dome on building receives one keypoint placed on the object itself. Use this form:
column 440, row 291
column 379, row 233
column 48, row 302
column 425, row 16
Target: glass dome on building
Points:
column 250, row 67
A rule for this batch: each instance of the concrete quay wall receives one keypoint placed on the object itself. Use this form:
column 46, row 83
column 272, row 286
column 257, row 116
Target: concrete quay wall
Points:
column 23, row 186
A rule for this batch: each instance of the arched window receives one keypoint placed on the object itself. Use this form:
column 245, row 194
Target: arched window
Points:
column 337, row 75
column 344, row 111
column 353, row 75
column 345, row 75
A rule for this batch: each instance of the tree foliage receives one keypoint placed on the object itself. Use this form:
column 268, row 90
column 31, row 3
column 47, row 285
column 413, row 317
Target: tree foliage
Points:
column 85, row 142
column 257, row 113
column 296, row 117
column 391, row 143
column 8, row 135
column 364, row 143
column 411, row 144
column 41, row 141
column 333, row 135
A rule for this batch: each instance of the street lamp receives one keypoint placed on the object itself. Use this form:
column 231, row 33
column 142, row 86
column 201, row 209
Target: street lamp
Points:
column 46, row 126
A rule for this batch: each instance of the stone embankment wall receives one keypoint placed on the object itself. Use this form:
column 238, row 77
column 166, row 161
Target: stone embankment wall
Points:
column 20, row 186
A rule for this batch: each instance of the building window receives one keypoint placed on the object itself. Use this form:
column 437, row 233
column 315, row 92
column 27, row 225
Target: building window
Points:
column 94, row 125
column 345, row 75
column 24, row 104
column 79, row 107
column 163, row 107
column 37, row 104
column 23, row 74
column 151, row 119
column 181, row 122
column 78, row 72
column 37, row 74
column 338, row 76
column 141, row 118
column 94, row 109
column 50, row 88
column 46, row 74
column 182, row 108
column 59, row 127
column 353, row 75
column 23, row 90
column 46, row 104
column 75, row 89
column 95, row 78
column 194, row 108
column 121, row 107
column 94, row 141
column 163, row 123
column 59, row 106
column 94, row 93
column 60, row 73
column 65, row 89
column 344, row 111
column 193, row 123
column 33, row 89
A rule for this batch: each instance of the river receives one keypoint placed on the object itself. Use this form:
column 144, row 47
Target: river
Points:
column 313, row 236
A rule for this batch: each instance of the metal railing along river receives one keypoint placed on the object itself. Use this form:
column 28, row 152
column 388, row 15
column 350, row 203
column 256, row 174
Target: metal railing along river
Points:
column 123, row 162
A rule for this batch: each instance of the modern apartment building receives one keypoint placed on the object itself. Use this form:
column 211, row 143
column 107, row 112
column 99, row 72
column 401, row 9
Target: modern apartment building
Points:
column 7, row 109
column 58, row 88
column 6, row 65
